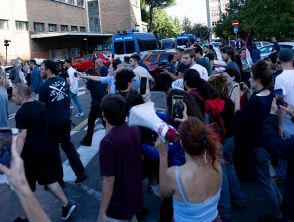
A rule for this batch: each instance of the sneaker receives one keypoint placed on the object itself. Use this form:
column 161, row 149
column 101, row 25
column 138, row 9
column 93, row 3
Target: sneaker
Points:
column 79, row 115
column 68, row 210
column 20, row 220
column 81, row 178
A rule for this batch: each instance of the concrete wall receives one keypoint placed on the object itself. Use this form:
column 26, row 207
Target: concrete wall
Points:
column 43, row 11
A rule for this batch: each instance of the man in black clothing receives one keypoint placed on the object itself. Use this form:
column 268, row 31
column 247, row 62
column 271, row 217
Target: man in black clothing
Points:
column 276, row 48
column 55, row 94
column 97, row 93
column 32, row 145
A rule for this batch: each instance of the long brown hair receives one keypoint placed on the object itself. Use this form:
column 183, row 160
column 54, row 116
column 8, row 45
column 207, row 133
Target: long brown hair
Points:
column 197, row 138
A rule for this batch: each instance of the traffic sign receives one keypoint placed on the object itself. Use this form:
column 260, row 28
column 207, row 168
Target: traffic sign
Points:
column 235, row 23
column 236, row 30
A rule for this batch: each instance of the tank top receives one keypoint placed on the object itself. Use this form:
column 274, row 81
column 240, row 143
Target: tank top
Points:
column 205, row 211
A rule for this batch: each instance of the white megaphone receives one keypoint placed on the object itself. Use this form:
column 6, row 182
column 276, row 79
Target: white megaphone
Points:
column 144, row 115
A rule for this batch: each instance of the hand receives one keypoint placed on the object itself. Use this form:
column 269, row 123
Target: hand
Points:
column 102, row 218
column 288, row 108
column 161, row 146
column 15, row 173
column 185, row 116
column 274, row 108
column 164, row 71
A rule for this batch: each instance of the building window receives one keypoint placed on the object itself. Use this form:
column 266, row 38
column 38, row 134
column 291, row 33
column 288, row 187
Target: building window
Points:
column 74, row 28
column 94, row 16
column 82, row 29
column 39, row 27
column 79, row 3
column 64, row 28
column 52, row 27
column 3, row 24
column 22, row 26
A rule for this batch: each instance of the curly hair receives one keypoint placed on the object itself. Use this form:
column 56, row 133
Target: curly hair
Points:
column 262, row 70
column 219, row 83
column 198, row 139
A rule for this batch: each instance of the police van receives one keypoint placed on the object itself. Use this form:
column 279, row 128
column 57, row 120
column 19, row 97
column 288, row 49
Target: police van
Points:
column 128, row 42
column 184, row 40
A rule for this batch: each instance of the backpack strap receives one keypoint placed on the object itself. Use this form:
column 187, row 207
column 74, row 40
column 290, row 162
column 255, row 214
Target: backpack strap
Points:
column 233, row 90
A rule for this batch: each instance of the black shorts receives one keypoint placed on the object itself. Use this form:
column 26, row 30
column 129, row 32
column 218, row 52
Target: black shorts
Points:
column 40, row 171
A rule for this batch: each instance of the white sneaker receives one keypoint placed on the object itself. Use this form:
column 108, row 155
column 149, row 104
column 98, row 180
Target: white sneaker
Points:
column 79, row 115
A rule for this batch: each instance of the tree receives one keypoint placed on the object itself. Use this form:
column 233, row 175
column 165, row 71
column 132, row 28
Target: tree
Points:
column 201, row 31
column 187, row 25
column 165, row 25
column 155, row 4
column 268, row 18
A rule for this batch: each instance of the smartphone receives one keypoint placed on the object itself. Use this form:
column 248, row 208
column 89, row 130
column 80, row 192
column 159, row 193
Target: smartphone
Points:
column 177, row 106
column 143, row 85
column 280, row 98
column 5, row 146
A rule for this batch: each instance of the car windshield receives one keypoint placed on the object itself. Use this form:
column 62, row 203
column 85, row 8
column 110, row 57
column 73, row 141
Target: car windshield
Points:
column 145, row 45
column 182, row 41
column 119, row 48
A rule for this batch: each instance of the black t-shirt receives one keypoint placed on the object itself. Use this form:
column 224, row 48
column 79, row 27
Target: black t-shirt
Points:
column 54, row 93
column 97, row 92
column 209, row 56
column 32, row 117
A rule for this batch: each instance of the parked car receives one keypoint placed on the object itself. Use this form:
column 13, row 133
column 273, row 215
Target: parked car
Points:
column 86, row 62
column 156, row 61
column 216, row 44
column 168, row 43
column 265, row 51
column 260, row 44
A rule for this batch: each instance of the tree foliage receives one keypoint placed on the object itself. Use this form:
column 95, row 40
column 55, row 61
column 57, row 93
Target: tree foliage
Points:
column 201, row 31
column 150, row 5
column 165, row 25
column 187, row 25
column 268, row 18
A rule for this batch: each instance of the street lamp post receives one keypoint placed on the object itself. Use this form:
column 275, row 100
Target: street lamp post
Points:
column 6, row 44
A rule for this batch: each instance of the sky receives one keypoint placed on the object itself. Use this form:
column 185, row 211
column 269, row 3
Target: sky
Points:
column 195, row 10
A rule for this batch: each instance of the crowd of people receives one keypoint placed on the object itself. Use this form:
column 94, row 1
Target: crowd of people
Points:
column 233, row 127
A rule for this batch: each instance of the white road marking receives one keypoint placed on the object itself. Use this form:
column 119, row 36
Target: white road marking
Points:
column 86, row 154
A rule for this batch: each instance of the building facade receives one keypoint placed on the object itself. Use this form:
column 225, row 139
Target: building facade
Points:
column 216, row 7
column 58, row 29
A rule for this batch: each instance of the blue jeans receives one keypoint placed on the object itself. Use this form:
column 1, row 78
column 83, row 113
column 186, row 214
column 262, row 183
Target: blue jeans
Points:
column 230, row 184
column 74, row 98
column 260, row 163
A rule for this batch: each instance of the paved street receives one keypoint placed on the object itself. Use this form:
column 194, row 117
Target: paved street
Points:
column 87, row 195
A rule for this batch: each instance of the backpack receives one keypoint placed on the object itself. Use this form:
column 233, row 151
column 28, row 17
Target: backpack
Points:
column 213, row 115
column 244, row 95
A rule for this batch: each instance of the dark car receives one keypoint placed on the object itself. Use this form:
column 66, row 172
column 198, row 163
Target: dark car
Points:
column 156, row 62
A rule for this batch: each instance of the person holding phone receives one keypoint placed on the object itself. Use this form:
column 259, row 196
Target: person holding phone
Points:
column 285, row 84
column 140, row 72
column 19, row 184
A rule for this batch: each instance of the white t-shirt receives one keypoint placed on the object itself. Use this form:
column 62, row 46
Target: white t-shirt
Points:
column 202, row 71
column 74, row 80
column 141, row 72
column 285, row 81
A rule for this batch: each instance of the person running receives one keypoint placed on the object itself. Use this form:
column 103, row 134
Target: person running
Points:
column 54, row 93
column 74, row 87
column 97, row 92
column 32, row 145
